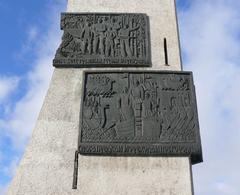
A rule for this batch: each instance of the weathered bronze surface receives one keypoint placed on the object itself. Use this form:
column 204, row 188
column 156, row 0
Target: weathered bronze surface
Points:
column 104, row 39
column 134, row 113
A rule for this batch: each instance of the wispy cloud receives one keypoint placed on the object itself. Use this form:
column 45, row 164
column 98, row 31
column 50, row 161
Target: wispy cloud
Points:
column 28, row 44
column 18, row 124
column 210, row 42
column 32, row 33
column 225, row 188
column 7, row 86
column 3, row 190
column 24, row 114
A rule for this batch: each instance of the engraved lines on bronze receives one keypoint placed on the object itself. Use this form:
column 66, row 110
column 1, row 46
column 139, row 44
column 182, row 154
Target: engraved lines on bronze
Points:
column 104, row 39
column 139, row 109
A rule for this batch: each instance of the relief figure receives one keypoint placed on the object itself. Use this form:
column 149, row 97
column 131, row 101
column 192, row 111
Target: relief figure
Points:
column 98, row 39
column 92, row 39
column 124, row 35
column 152, row 122
column 92, row 114
column 125, row 125
column 138, row 111
column 87, row 38
column 66, row 41
column 110, row 35
column 147, row 105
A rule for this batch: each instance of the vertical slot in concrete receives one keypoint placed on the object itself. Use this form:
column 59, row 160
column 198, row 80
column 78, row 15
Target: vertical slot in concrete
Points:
column 166, row 52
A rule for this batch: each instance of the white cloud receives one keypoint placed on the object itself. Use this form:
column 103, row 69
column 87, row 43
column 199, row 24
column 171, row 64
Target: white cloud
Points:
column 7, row 86
column 28, row 45
column 225, row 188
column 24, row 115
column 19, row 122
column 32, row 33
column 210, row 42
column 3, row 190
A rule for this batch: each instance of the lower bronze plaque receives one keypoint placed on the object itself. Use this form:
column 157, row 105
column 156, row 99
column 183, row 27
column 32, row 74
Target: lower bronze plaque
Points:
column 150, row 113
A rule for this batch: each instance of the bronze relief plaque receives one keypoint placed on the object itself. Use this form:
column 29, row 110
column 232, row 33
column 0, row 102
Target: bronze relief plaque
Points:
column 104, row 39
column 134, row 113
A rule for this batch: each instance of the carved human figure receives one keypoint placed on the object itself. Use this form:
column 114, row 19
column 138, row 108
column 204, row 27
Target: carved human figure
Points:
column 87, row 38
column 137, row 94
column 162, row 123
column 88, row 114
column 92, row 115
column 72, row 22
column 173, row 105
column 98, row 39
column 116, row 26
column 64, row 22
column 67, row 39
column 137, row 91
column 147, row 105
column 124, row 35
column 182, row 113
column 110, row 35
column 79, row 24
column 125, row 124
column 152, row 120
column 178, row 117
column 164, row 116
column 124, row 106
column 189, row 114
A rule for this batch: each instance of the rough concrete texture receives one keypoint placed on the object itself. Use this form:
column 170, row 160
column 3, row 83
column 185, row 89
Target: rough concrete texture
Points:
column 47, row 165
column 162, row 23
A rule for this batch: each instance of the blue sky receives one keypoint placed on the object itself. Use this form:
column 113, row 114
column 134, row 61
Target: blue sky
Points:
column 210, row 37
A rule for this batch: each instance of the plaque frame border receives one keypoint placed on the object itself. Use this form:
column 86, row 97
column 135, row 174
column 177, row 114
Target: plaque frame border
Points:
column 148, row 58
column 195, row 155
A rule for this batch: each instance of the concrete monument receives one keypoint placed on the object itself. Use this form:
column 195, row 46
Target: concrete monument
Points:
column 129, row 124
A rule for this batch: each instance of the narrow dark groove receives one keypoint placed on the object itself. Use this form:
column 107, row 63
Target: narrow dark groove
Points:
column 166, row 52
column 75, row 172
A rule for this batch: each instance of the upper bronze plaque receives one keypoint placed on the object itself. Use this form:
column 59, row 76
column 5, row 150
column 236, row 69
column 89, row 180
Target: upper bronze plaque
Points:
column 151, row 113
column 104, row 39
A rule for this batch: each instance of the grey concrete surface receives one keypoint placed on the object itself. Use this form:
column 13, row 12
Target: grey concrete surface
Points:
column 162, row 17
column 47, row 165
